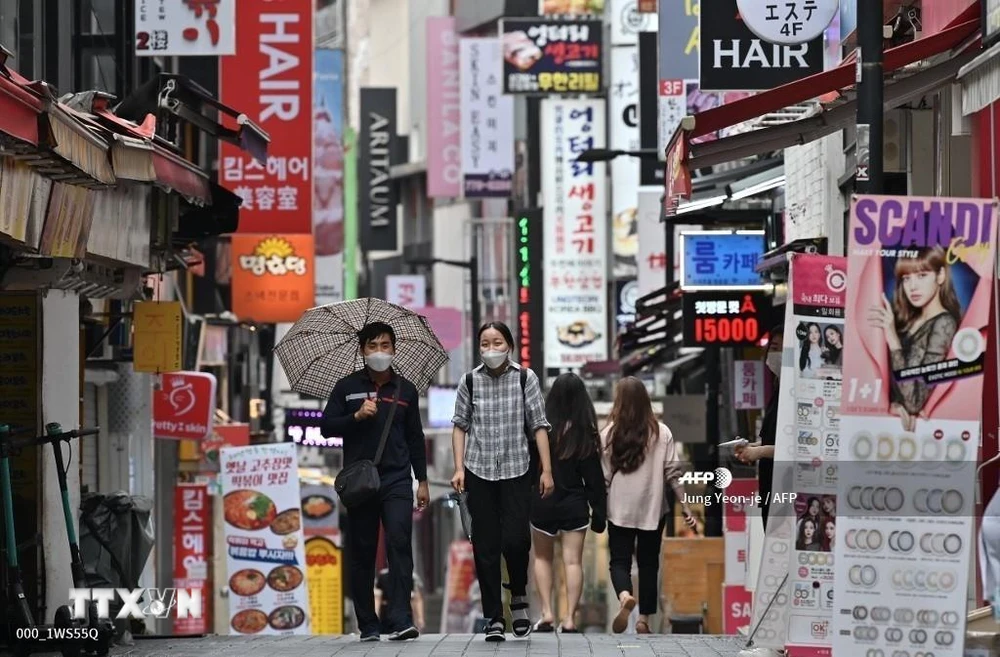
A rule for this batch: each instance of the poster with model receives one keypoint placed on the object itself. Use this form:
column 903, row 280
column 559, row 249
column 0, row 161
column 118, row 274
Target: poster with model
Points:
column 265, row 554
column 920, row 281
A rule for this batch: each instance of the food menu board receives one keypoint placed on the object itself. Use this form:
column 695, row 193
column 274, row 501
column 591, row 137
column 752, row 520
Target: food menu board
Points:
column 461, row 610
column 265, row 554
column 920, row 285
column 816, row 346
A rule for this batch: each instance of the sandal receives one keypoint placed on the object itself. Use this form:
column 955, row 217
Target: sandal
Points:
column 620, row 622
column 544, row 627
column 642, row 627
column 521, row 626
column 563, row 630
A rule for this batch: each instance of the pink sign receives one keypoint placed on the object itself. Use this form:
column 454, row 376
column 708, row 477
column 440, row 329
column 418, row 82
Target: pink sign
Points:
column 736, row 605
column 444, row 154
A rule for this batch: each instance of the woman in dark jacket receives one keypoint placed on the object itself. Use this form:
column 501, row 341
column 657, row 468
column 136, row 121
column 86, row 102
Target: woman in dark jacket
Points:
column 579, row 500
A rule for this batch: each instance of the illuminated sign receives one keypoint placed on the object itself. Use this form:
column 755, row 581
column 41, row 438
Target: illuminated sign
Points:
column 721, row 259
column 530, row 315
column 724, row 319
column 302, row 427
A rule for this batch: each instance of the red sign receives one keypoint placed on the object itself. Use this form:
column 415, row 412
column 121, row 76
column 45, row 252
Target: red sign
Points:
column 736, row 605
column 739, row 495
column 192, row 543
column 677, row 178
column 226, row 435
column 270, row 78
column 184, row 406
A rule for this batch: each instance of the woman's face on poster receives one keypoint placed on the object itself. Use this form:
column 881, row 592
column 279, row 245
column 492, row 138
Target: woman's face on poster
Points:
column 831, row 531
column 814, row 508
column 808, row 531
column 828, row 506
column 813, row 334
column 921, row 287
column 833, row 337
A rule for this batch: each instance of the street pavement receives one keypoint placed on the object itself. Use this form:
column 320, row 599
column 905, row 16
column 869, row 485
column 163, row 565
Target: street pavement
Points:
column 438, row 645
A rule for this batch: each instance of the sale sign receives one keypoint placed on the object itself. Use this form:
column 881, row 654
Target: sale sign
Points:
column 736, row 605
column 271, row 78
column 192, row 541
column 184, row 406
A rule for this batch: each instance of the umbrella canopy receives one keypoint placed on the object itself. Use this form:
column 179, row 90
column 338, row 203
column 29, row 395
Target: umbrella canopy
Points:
column 322, row 347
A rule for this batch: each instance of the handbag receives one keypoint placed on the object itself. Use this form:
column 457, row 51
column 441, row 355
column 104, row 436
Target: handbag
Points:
column 359, row 482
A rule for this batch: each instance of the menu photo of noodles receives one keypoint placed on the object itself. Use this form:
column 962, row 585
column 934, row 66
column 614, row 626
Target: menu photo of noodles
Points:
column 265, row 548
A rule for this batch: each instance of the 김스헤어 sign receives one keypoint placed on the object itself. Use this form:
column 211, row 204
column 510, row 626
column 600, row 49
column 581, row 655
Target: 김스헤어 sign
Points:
column 551, row 56
column 270, row 77
column 272, row 277
column 192, row 539
column 265, row 553
column 575, row 242
column 178, row 29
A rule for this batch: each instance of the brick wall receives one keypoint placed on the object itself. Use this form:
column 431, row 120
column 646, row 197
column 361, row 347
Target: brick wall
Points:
column 814, row 206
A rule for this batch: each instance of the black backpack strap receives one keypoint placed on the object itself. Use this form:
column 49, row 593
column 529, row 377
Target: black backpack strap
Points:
column 524, row 379
column 468, row 384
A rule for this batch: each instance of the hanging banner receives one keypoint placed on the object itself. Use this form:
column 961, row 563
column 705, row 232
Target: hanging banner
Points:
column 185, row 29
column 158, row 329
column 543, row 57
column 270, row 77
column 272, row 279
column 748, row 385
column 487, row 121
column 575, row 246
column 184, row 406
column 408, row 291
column 192, row 547
column 920, row 283
column 444, row 145
column 265, row 554
column 328, row 176
column 377, row 197
column 623, row 120
column 733, row 58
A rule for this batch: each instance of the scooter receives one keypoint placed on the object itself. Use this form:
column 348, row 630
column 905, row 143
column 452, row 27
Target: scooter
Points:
column 99, row 633
column 20, row 623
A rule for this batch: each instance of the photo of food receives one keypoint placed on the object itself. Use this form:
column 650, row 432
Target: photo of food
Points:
column 286, row 522
column 577, row 334
column 247, row 582
column 287, row 618
column 285, row 578
column 249, row 510
column 520, row 50
column 317, row 507
column 249, row 621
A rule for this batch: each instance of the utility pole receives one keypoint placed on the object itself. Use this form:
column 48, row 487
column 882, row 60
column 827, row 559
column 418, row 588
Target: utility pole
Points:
column 870, row 98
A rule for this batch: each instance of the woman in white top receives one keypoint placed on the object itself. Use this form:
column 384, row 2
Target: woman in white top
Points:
column 639, row 459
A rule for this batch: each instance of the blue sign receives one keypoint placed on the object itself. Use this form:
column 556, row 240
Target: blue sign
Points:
column 721, row 260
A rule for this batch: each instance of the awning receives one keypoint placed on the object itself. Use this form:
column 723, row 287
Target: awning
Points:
column 683, row 156
column 980, row 81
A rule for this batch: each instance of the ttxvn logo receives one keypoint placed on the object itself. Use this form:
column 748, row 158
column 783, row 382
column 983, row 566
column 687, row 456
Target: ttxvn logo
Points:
column 722, row 477
column 138, row 603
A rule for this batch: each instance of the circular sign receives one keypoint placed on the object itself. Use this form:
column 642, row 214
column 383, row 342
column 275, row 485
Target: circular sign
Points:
column 629, row 297
column 789, row 22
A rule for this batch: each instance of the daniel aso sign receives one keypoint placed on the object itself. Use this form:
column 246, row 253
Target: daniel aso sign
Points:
column 184, row 406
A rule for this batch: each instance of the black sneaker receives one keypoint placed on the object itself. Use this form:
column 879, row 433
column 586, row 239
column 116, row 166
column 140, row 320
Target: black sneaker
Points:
column 370, row 638
column 495, row 631
column 405, row 635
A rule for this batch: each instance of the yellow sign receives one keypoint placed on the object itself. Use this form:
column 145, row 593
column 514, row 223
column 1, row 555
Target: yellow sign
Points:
column 324, row 572
column 158, row 337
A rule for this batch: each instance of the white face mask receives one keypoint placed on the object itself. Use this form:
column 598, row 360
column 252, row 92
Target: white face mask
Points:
column 494, row 359
column 379, row 361
column 774, row 362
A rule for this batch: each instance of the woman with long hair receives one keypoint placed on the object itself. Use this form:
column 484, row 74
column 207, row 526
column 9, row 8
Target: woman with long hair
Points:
column 640, row 459
column 919, row 325
column 829, row 534
column 834, row 348
column 808, row 540
column 811, row 351
column 579, row 500
column 497, row 405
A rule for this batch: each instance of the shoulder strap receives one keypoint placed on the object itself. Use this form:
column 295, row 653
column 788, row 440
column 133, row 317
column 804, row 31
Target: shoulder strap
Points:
column 524, row 379
column 388, row 421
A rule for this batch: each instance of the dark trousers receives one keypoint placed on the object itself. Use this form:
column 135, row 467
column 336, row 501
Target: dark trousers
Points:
column 623, row 542
column 500, row 513
column 394, row 508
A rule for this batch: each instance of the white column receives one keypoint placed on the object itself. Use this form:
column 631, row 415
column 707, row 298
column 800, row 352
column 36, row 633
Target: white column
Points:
column 60, row 403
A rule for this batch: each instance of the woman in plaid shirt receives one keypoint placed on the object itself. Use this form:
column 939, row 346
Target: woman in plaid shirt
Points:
column 498, row 408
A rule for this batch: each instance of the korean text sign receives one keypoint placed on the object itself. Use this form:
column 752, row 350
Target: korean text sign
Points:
column 273, row 279
column 185, row 28
column 265, row 553
column 192, row 546
column 575, row 246
column 487, row 121
column 719, row 259
column 270, row 79
column 549, row 56
column 724, row 319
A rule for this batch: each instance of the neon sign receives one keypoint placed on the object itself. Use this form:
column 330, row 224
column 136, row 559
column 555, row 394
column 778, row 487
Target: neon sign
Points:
column 528, row 268
column 524, row 292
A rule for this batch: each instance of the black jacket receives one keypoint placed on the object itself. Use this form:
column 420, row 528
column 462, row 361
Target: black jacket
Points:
column 579, row 485
column 404, row 446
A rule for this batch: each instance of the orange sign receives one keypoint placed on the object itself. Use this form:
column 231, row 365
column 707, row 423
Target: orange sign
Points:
column 273, row 279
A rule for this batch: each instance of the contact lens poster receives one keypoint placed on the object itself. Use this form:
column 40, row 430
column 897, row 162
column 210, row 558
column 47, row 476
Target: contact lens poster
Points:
column 265, row 554
column 920, row 280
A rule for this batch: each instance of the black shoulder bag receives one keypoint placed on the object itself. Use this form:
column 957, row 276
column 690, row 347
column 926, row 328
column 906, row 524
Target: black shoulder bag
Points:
column 359, row 482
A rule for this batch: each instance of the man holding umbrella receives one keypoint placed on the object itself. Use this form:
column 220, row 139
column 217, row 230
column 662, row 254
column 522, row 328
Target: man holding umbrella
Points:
column 359, row 408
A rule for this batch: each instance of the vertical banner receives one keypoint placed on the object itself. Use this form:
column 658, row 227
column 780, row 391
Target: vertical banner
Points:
column 748, row 385
column 736, row 599
column 623, row 125
column 328, row 175
column 444, row 146
column 192, row 545
column 575, row 247
column 377, row 198
column 921, row 273
column 265, row 555
column 351, row 227
column 460, row 608
column 530, row 306
column 270, row 78
column 487, row 121
column 650, row 169
column 652, row 234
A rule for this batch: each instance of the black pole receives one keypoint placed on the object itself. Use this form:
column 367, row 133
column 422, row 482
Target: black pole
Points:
column 475, row 308
column 713, row 513
column 870, row 99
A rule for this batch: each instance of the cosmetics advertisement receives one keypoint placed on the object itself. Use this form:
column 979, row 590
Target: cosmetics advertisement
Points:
column 816, row 344
column 919, row 290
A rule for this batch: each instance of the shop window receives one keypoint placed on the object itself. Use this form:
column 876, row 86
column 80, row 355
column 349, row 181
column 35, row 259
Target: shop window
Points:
column 99, row 69
column 96, row 17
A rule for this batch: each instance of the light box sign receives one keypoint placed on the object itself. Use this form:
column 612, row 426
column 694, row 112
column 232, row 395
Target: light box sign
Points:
column 530, row 311
column 302, row 427
column 724, row 319
column 721, row 260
